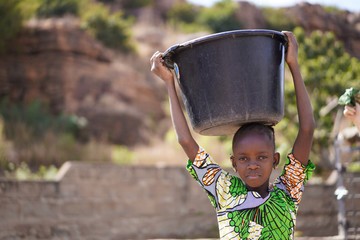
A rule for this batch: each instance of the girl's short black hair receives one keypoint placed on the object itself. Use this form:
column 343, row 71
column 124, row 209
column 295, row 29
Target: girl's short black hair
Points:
column 254, row 127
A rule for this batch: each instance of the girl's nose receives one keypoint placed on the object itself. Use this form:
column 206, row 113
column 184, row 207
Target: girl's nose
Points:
column 253, row 165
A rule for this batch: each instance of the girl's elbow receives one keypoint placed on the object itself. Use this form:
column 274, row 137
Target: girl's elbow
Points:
column 188, row 143
column 311, row 131
column 309, row 128
column 184, row 142
column 312, row 125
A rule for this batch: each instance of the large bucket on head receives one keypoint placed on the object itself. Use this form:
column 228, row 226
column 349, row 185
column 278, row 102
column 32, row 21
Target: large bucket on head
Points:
column 231, row 78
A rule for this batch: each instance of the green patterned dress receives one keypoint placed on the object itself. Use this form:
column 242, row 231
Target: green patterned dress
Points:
column 244, row 214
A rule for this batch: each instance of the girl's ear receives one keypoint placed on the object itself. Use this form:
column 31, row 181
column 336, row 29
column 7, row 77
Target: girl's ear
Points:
column 276, row 160
column 233, row 162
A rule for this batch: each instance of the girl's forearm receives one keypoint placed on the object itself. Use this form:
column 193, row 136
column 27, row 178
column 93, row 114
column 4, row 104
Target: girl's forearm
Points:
column 181, row 127
column 303, row 142
column 305, row 112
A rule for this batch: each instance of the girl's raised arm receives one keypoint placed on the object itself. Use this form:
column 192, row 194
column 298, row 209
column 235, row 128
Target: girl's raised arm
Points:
column 181, row 127
column 303, row 142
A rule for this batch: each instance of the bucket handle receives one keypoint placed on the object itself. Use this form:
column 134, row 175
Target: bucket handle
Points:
column 284, row 39
column 168, row 56
column 286, row 43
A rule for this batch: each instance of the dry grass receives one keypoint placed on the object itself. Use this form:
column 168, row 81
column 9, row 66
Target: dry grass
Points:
column 168, row 152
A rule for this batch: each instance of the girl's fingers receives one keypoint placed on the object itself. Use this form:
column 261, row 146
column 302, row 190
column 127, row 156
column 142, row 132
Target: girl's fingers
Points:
column 291, row 36
column 155, row 60
column 158, row 67
column 155, row 56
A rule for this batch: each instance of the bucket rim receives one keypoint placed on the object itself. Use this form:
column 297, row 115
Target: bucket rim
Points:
column 171, row 51
column 236, row 33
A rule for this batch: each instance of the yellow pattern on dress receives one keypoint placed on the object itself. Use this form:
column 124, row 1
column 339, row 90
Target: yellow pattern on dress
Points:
column 225, row 199
column 226, row 231
column 254, row 230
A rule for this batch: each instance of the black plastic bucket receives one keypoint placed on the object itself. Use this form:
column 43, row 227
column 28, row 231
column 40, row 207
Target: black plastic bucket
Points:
column 231, row 78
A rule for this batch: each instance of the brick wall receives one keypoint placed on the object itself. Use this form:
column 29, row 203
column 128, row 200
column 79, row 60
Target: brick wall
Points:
column 91, row 201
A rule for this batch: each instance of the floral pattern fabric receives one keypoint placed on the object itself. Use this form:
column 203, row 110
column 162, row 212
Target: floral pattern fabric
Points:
column 244, row 214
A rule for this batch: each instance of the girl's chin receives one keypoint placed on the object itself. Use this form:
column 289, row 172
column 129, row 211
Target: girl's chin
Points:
column 256, row 186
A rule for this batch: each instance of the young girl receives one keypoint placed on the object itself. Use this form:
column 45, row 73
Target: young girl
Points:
column 247, row 206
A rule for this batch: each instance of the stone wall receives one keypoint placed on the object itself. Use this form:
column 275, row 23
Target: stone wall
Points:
column 91, row 201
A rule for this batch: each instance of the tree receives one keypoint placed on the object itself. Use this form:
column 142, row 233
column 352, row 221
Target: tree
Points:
column 182, row 12
column 327, row 71
column 112, row 29
column 10, row 21
column 221, row 17
column 276, row 19
column 58, row 8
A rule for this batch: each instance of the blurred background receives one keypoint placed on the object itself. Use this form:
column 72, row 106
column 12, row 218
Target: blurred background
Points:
column 75, row 80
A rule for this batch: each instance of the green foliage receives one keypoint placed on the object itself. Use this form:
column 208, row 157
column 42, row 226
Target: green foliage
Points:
column 36, row 116
column 29, row 7
column 23, row 172
column 218, row 18
column 10, row 21
column 276, row 19
column 354, row 167
column 221, row 17
column 182, row 12
column 183, row 16
column 327, row 71
column 113, row 30
column 107, row 1
column 58, row 8
column 333, row 9
column 132, row 4
column 32, row 140
column 122, row 155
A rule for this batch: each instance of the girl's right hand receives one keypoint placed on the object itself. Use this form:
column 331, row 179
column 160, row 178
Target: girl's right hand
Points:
column 158, row 67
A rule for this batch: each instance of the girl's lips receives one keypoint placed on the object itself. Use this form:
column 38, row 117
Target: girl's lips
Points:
column 252, row 176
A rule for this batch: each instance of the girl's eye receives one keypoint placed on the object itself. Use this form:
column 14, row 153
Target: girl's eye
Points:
column 242, row 159
column 262, row 157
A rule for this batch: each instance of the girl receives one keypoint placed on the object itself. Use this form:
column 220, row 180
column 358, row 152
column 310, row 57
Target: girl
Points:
column 247, row 206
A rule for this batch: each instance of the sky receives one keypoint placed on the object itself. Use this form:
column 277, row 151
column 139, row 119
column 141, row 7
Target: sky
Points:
column 350, row 5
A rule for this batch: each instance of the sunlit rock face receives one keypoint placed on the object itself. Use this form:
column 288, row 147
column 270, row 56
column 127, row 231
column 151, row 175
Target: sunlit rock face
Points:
column 55, row 61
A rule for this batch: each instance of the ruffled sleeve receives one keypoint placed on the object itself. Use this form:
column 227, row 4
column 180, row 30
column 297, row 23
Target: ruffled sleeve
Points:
column 220, row 186
column 294, row 176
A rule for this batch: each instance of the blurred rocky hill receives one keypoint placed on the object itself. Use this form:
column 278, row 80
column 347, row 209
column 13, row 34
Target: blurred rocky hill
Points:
column 56, row 61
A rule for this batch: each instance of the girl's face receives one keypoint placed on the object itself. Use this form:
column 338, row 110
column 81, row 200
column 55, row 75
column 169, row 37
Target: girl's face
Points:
column 253, row 160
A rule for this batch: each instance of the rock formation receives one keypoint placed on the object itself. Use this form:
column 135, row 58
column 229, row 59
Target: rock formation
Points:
column 344, row 24
column 57, row 62
column 250, row 15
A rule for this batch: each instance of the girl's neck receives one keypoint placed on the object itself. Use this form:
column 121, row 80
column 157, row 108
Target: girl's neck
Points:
column 262, row 190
